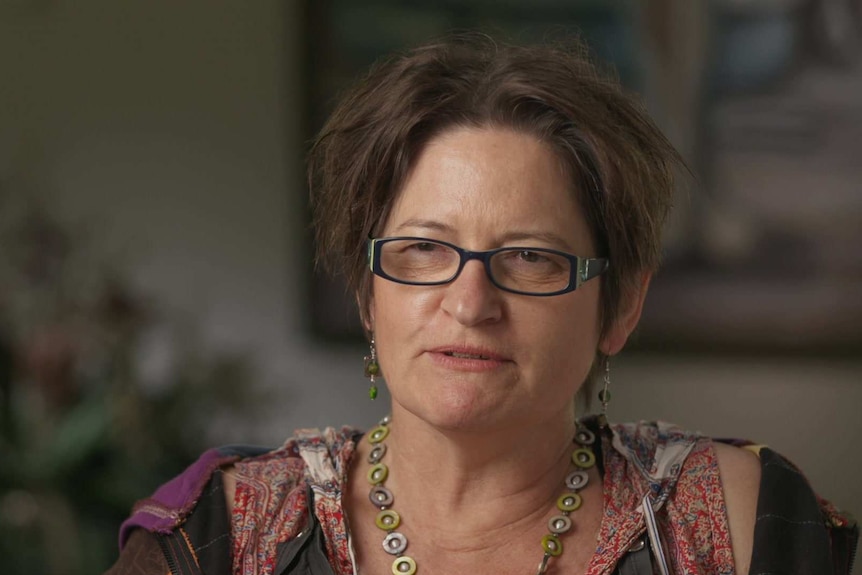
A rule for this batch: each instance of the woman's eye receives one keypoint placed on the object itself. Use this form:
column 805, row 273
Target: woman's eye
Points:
column 425, row 247
column 531, row 257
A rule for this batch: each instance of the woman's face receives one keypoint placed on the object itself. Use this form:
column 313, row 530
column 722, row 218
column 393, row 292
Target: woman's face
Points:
column 467, row 355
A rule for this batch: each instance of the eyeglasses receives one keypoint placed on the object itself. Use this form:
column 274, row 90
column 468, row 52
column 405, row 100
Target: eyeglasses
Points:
column 520, row 270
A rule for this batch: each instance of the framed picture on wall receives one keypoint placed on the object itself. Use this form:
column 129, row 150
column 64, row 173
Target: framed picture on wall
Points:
column 763, row 253
column 767, row 257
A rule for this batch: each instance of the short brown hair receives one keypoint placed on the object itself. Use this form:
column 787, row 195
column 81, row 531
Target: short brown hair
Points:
column 622, row 167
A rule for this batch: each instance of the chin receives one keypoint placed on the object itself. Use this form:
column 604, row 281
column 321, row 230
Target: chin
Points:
column 461, row 408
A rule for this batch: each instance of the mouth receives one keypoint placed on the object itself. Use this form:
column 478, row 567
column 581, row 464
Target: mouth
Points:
column 474, row 353
column 466, row 355
column 473, row 359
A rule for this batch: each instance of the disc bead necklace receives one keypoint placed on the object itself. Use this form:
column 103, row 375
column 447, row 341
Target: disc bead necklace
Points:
column 388, row 520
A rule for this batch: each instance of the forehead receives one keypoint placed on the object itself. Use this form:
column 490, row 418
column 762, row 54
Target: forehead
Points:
column 481, row 184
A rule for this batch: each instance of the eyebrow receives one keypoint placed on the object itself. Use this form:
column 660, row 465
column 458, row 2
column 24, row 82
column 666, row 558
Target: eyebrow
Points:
column 425, row 224
column 517, row 236
column 547, row 237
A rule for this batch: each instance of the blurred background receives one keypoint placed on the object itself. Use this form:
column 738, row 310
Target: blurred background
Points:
column 156, row 287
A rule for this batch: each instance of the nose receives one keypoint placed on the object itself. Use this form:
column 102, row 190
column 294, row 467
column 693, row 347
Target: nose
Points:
column 471, row 298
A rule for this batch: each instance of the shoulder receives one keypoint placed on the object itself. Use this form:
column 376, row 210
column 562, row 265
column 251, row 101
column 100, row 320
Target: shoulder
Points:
column 281, row 470
column 229, row 485
column 171, row 503
column 740, row 479
column 657, row 449
column 710, row 486
column 663, row 450
column 740, row 504
column 310, row 456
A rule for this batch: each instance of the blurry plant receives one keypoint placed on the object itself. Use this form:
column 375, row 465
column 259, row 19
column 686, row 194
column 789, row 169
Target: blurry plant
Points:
column 85, row 427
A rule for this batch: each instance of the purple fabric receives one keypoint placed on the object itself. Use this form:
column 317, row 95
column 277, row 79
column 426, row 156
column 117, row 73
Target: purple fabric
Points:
column 171, row 503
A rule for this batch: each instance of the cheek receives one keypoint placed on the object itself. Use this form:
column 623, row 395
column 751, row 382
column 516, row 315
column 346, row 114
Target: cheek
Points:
column 399, row 304
column 571, row 333
column 399, row 314
column 589, row 311
column 579, row 313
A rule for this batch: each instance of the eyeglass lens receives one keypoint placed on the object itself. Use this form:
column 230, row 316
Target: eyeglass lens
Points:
column 525, row 270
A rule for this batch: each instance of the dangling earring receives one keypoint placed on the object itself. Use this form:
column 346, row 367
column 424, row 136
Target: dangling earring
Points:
column 372, row 369
column 605, row 394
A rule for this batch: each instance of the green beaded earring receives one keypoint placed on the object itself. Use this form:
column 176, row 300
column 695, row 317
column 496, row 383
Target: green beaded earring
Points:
column 372, row 369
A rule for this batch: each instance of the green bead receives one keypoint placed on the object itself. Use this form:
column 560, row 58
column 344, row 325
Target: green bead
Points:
column 378, row 474
column 388, row 520
column 372, row 392
column 378, row 434
column 404, row 565
column 552, row 545
column 372, row 368
column 583, row 458
column 605, row 396
column 569, row 502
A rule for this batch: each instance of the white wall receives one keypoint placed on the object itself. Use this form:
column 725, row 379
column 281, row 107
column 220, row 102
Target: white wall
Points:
column 171, row 126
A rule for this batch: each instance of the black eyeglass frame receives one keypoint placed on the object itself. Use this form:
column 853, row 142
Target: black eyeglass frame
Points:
column 582, row 269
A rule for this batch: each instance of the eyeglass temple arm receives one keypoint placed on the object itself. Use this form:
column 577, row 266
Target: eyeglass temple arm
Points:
column 588, row 268
column 370, row 243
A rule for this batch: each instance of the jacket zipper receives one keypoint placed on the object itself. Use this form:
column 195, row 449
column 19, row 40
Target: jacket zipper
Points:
column 169, row 556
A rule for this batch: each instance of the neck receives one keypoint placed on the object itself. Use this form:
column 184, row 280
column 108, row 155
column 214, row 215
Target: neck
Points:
column 477, row 480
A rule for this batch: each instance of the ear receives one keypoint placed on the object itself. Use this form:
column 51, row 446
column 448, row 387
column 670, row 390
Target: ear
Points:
column 627, row 319
column 366, row 315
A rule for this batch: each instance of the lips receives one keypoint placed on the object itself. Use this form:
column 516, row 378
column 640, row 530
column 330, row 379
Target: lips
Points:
column 465, row 355
column 475, row 353
column 469, row 359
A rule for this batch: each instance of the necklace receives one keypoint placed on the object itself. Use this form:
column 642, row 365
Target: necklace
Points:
column 388, row 520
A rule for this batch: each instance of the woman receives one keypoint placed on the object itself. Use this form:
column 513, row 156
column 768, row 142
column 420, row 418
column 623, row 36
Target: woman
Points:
column 497, row 211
